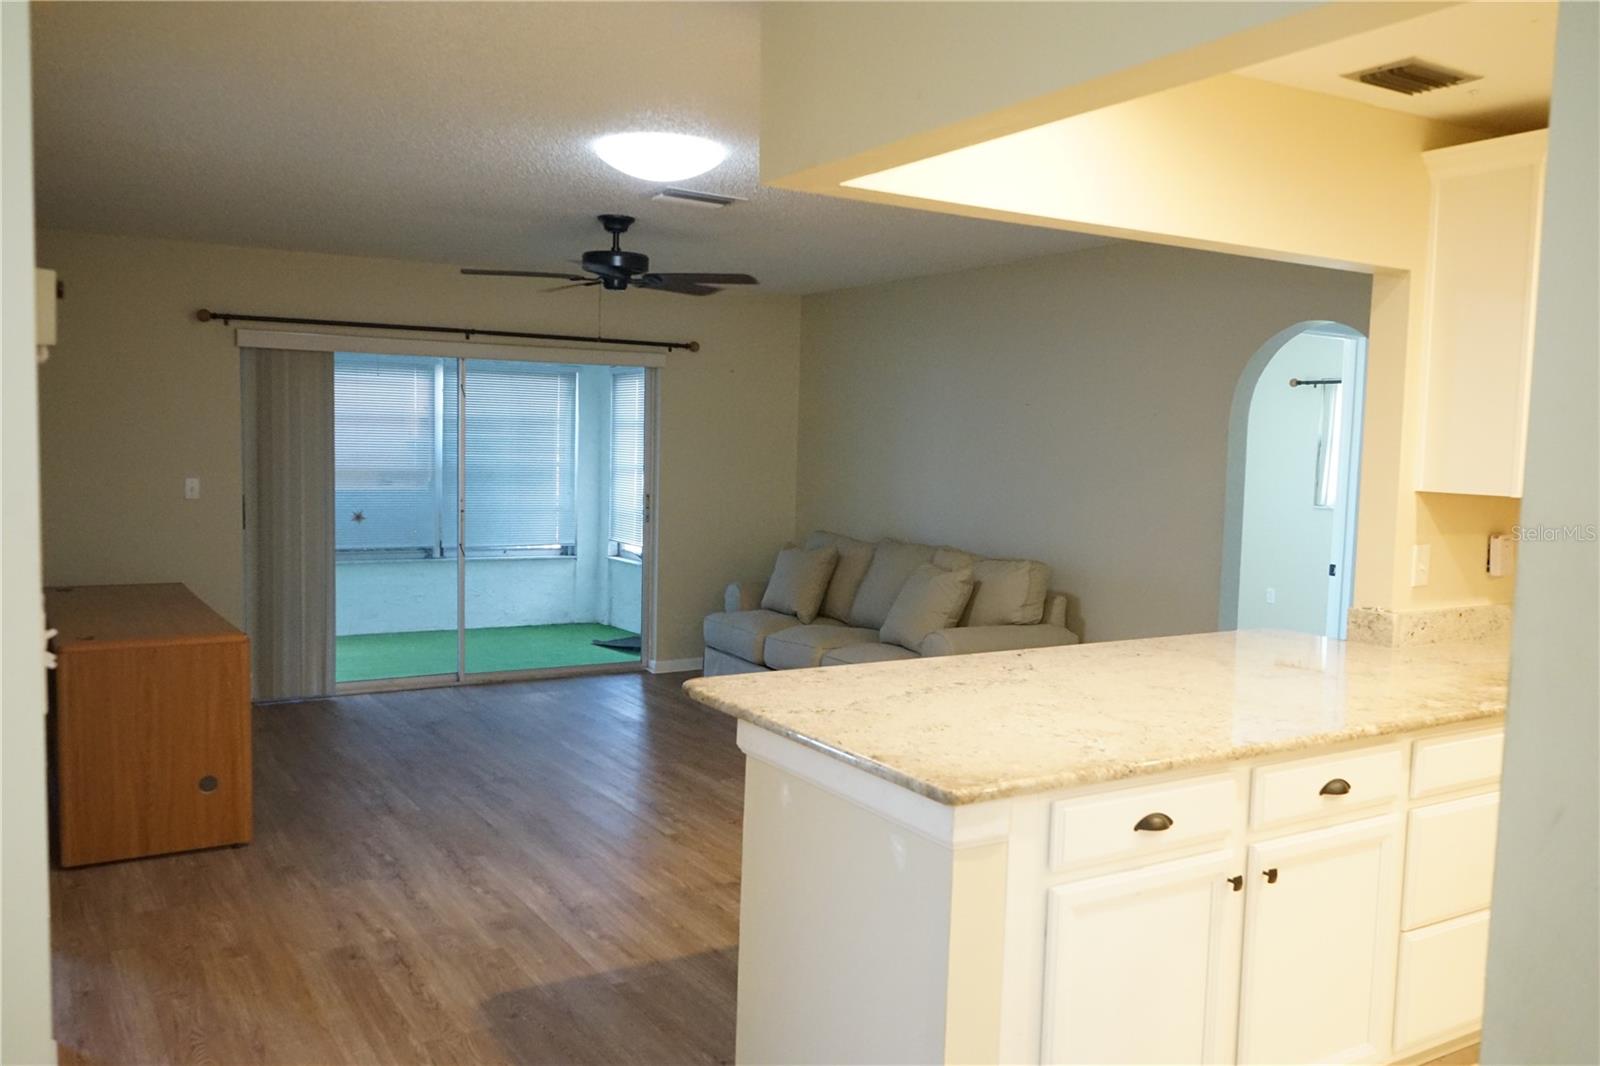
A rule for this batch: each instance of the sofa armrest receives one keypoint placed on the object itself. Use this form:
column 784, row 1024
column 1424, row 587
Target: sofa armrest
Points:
column 743, row 596
column 968, row 640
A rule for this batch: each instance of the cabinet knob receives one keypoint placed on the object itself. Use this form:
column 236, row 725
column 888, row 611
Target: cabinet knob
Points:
column 1154, row 822
column 1237, row 881
column 1271, row 875
column 208, row 783
column 1337, row 787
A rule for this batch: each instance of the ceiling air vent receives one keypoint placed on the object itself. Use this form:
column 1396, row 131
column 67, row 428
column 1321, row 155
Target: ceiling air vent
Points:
column 1411, row 76
column 696, row 197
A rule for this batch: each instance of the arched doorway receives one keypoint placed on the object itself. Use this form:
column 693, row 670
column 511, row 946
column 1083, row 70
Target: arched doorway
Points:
column 1294, row 455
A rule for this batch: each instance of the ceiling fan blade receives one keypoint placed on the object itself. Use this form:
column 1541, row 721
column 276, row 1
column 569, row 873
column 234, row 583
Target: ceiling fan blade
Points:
column 485, row 272
column 667, row 283
column 709, row 279
column 574, row 285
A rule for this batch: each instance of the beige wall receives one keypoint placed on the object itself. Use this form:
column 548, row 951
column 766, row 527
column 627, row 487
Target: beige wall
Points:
column 141, row 396
column 1073, row 409
column 1544, row 944
column 25, row 1023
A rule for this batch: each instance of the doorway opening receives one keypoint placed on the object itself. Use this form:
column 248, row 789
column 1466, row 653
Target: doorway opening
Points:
column 531, row 561
column 1294, row 457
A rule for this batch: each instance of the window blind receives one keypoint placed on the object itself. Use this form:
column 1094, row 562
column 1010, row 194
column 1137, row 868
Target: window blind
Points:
column 627, row 461
column 521, row 435
column 395, row 437
column 386, row 472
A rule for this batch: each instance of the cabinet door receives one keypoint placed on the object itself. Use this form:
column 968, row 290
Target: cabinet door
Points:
column 1320, row 932
column 1143, row 966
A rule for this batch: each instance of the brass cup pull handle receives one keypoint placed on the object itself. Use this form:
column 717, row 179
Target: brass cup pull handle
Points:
column 1337, row 787
column 1154, row 822
column 1271, row 875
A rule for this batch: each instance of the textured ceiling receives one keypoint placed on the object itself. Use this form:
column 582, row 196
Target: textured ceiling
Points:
column 448, row 132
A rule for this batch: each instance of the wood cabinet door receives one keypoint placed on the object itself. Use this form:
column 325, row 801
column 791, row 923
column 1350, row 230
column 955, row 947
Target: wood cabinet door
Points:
column 1143, row 965
column 1321, row 927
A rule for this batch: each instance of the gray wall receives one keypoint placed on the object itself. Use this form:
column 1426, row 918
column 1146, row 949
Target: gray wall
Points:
column 1544, row 978
column 1072, row 409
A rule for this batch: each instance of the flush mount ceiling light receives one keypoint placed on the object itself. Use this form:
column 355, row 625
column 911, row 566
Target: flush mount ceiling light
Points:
column 659, row 156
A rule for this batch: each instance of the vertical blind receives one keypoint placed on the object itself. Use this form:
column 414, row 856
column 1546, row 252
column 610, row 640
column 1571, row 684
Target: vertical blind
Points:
column 395, row 440
column 627, row 461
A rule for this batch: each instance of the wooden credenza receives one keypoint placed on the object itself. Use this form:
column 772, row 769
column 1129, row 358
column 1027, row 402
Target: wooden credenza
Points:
column 150, row 710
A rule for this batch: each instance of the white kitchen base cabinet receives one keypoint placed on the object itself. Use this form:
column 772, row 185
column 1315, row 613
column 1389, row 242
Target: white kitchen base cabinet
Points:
column 1159, row 943
column 1319, row 945
column 1440, row 993
column 1136, row 921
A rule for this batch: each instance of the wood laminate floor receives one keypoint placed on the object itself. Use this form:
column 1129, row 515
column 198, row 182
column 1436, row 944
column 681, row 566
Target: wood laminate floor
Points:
column 537, row 872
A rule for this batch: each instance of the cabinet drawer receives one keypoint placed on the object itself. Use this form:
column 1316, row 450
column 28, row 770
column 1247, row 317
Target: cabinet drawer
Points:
column 1439, row 994
column 1312, row 788
column 1459, row 761
column 1449, row 859
column 1104, row 827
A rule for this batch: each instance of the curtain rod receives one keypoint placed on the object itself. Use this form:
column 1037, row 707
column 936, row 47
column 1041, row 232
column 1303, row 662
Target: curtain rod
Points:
column 1295, row 383
column 467, row 332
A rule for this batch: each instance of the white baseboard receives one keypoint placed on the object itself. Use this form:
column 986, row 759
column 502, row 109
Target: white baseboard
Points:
column 674, row 666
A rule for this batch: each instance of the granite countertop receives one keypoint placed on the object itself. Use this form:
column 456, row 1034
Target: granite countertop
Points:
column 961, row 729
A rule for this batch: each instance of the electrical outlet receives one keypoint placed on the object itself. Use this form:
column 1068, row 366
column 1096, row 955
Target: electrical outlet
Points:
column 1421, row 562
column 191, row 488
column 1272, row 595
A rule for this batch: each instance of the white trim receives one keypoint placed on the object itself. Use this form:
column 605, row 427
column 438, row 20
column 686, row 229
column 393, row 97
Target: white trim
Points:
column 675, row 666
column 952, row 827
column 377, row 344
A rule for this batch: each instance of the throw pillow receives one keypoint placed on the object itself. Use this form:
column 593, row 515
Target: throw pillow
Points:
column 931, row 599
column 799, row 578
column 1007, row 592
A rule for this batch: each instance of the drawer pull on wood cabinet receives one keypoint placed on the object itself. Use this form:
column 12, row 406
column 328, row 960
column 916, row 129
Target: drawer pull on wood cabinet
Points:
column 1271, row 875
column 1337, row 787
column 208, row 783
column 1153, row 823
column 1237, row 881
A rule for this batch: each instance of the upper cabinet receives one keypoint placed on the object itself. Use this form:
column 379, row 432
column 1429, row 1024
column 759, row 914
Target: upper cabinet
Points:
column 1483, row 261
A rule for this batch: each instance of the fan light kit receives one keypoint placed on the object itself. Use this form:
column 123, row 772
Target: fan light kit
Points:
column 659, row 156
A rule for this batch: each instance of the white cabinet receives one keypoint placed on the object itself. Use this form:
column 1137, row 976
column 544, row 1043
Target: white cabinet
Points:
column 1483, row 262
column 1319, row 944
column 1142, row 966
column 1449, row 859
column 1439, row 995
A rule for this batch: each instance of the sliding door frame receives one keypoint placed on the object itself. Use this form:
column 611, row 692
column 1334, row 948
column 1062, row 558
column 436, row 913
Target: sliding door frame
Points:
column 462, row 351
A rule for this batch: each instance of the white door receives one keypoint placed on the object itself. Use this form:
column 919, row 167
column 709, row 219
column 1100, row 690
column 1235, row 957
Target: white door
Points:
column 1143, row 966
column 1322, row 922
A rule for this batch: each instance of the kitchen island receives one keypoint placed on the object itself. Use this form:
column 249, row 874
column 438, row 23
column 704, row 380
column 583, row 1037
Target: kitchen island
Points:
column 1253, row 846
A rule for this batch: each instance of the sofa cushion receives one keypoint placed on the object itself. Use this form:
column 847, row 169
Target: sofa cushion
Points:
column 852, row 654
column 799, row 578
column 892, row 562
column 803, row 646
column 931, row 599
column 854, row 558
column 745, row 633
column 953, row 558
column 1007, row 592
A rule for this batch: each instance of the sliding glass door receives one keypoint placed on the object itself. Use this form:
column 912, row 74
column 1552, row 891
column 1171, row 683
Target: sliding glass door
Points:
column 490, row 516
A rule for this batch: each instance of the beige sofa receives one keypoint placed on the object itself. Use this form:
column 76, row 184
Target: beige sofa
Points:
column 744, row 637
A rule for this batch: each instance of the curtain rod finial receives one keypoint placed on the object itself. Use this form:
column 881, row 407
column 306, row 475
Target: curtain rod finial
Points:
column 202, row 315
column 693, row 346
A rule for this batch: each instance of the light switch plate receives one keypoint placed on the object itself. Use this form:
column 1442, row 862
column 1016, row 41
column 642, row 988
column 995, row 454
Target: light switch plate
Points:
column 1421, row 562
column 191, row 488
column 1272, row 595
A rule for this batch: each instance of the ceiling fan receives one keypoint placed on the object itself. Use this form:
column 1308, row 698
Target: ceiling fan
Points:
column 617, row 269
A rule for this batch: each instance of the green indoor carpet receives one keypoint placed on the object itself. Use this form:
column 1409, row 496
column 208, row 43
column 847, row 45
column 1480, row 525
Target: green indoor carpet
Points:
column 375, row 656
